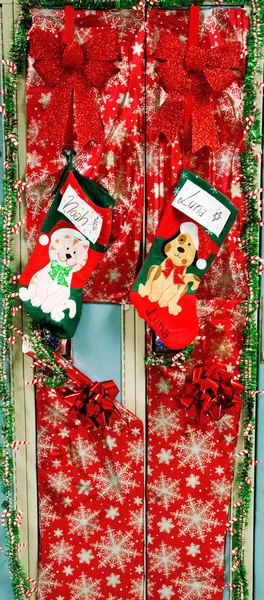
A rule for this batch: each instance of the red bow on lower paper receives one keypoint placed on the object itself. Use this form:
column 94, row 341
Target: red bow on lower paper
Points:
column 192, row 76
column 93, row 405
column 73, row 71
column 212, row 393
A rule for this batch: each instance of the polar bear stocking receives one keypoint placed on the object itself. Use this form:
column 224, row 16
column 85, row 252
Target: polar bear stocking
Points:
column 73, row 238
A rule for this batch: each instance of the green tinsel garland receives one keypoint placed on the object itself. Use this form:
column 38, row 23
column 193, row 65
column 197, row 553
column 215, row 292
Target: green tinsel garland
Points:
column 251, row 246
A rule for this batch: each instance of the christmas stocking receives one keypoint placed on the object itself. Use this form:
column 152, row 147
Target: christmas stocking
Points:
column 72, row 240
column 188, row 238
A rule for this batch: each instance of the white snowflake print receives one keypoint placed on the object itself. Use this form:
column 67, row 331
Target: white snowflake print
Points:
column 46, row 20
column 114, row 480
column 217, row 558
column 123, row 20
column 86, row 588
column 116, row 549
column 163, row 386
column 221, row 489
column 32, row 131
column 164, row 422
column 164, row 559
column 166, row 592
column 136, row 520
column 165, row 456
column 113, row 580
column 84, row 520
column 83, row 453
column 33, row 159
column 47, row 513
column 85, row 556
column 196, row 448
column 56, row 413
column 46, row 582
column 193, row 549
column 40, row 192
column 226, row 161
column 45, row 99
column 196, row 518
column 231, row 103
column 44, row 445
column 61, row 551
column 164, row 490
column 117, row 134
column 197, row 584
column 135, row 451
column 192, row 481
column 60, row 482
column 165, row 525
column 137, row 589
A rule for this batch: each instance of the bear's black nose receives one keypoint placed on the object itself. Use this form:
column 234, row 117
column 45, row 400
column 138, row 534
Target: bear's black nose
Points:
column 68, row 255
column 179, row 249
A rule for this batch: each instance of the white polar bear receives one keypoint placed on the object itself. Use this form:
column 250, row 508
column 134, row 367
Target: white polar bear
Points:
column 50, row 287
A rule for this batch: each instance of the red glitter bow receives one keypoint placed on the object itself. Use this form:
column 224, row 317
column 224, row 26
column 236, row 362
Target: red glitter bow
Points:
column 192, row 76
column 93, row 404
column 73, row 71
column 177, row 271
column 212, row 393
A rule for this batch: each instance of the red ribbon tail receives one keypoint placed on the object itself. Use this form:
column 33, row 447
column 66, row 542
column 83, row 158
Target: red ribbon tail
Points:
column 204, row 132
column 88, row 122
column 168, row 118
column 51, row 127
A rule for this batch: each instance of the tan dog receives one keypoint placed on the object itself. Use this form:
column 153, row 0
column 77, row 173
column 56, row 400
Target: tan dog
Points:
column 167, row 283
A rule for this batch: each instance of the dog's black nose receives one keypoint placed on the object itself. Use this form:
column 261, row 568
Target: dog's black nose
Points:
column 68, row 255
column 179, row 249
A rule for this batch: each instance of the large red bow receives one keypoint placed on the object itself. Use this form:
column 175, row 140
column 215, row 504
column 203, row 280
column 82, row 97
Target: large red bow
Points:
column 73, row 71
column 93, row 405
column 212, row 393
column 191, row 77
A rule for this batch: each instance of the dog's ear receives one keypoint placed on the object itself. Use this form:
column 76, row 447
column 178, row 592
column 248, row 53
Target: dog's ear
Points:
column 167, row 248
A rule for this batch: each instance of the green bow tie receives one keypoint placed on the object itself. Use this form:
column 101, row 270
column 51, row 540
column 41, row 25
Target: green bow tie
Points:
column 59, row 271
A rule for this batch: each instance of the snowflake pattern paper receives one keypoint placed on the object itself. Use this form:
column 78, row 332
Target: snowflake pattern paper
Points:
column 91, row 505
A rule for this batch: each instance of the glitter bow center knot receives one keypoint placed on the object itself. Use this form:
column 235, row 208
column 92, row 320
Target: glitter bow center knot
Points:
column 73, row 56
column 93, row 405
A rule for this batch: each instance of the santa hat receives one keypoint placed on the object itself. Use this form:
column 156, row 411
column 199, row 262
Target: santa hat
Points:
column 202, row 242
column 44, row 239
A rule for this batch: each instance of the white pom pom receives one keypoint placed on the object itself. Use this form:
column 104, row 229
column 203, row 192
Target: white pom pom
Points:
column 201, row 264
column 44, row 239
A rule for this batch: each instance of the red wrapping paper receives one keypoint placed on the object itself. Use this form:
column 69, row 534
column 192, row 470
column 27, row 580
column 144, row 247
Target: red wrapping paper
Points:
column 116, row 162
column 191, row 462
column 90, row 485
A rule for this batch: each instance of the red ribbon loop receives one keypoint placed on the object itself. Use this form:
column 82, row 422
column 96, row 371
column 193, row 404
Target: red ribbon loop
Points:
column 73, row 71
column 212, row 393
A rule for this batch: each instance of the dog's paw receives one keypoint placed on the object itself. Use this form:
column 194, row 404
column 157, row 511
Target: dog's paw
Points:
column 174, row 309
column 163, row 302
column 154, row 297
column 142, row 290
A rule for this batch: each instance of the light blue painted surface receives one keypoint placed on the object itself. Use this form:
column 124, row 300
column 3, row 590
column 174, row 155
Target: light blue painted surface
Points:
column 97, row 346
column 6, row 590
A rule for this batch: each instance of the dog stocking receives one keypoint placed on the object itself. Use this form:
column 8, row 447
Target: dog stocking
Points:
column 73, row 238
column 191, row 231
